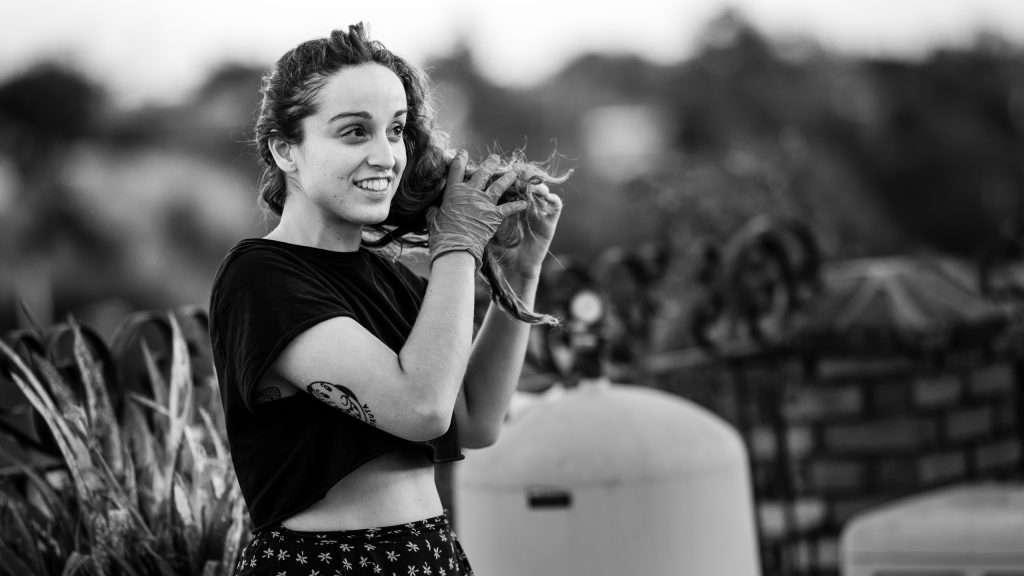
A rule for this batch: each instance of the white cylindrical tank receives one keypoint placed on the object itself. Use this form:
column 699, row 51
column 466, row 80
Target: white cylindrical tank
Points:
column 609, row 480
column 966, row 530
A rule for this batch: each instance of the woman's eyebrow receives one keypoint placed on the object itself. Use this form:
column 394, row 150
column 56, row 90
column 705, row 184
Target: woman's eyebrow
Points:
column 364, row 115
column 360, row 114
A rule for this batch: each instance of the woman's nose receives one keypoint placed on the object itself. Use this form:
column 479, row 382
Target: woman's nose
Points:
column 381, row 154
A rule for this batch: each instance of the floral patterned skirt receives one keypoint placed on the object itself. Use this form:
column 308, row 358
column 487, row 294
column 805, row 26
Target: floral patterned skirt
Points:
column 423, row 548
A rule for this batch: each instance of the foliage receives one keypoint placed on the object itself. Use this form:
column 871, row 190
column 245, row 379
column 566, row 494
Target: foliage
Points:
column 44, row 110
column 877, row 156
column 149, row 492
column 767, row 270
column 942, row 152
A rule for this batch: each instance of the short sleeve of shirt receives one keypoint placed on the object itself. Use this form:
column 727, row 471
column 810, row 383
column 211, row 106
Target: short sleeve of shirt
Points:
column 260, row 302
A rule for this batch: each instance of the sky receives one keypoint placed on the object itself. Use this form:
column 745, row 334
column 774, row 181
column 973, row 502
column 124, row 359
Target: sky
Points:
column 158, row 51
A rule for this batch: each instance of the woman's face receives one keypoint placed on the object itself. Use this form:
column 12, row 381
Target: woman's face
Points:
column 352, row 155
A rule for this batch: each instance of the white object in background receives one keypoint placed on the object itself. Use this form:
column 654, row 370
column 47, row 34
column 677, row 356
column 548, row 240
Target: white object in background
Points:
column 609, row 480
column 523, row 402
column 970, row 530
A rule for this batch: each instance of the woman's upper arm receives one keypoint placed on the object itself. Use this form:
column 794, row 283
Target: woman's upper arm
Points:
column 342, row 364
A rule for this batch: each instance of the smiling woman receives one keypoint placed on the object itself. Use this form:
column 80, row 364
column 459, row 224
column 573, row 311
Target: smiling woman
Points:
column 345, row 377
column 348, row 165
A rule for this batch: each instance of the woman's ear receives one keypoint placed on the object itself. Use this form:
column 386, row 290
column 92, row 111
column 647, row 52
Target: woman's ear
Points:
column 283, row 152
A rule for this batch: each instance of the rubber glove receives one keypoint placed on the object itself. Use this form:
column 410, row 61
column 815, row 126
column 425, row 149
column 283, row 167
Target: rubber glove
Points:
column 469, row 214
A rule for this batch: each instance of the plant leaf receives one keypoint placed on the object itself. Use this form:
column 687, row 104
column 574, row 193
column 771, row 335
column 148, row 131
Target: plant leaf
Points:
column 161, row 410
column 172, row 508
column 131, row 488
column 182, row 503
column 75, row 563
column 31, row 386
column 211, row 568
column 213, row 435
column 23, row 538
column 34, row 324
column 99, row 408
column 232, row 542
column 125, row 565
column 156, row 377
column 159, row 560
column 63, row 396
column 181, row 388
column 12, row 564
column 46, row 496
column 71, row 447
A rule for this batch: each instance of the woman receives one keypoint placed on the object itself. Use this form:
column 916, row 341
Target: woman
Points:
column 344, row 376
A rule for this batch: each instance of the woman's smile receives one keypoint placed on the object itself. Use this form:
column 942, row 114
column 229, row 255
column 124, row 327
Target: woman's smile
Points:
column 377, row 184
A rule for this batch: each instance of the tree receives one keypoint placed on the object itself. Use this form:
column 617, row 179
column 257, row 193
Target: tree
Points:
column 42, row 112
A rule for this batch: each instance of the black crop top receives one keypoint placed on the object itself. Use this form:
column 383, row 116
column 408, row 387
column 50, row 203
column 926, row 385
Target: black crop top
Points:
column 289, row 452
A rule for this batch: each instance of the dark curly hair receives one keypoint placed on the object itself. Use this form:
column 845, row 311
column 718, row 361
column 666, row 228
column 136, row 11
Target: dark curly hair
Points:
column 289, row 95
column 289, row 92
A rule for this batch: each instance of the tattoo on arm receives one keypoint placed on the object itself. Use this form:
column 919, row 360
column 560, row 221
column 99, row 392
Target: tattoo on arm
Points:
column 340, row 397
column 268, row 394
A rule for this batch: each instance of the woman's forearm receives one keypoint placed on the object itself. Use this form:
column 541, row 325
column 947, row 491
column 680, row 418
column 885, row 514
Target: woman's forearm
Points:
column 435, row 355
column 495, row 363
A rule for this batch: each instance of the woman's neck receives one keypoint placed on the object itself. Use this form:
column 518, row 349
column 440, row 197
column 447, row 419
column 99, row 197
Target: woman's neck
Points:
column 299, row 227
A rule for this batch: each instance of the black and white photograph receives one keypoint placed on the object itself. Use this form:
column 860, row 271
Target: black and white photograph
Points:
column 544, row 288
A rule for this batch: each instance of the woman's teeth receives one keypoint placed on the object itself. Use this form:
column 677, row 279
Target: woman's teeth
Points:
column 374, row 184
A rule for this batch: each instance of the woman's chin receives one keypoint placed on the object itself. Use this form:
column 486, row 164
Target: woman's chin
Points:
column 376, row 217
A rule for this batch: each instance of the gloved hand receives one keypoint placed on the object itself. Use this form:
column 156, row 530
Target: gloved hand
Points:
column 469, row 216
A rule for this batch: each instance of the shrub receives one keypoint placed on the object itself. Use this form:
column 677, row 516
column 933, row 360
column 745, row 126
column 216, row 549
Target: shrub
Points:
column 146, row 490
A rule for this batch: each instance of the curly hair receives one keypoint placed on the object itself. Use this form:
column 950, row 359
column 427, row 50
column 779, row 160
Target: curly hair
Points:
column 509, row 235
column 289, row 94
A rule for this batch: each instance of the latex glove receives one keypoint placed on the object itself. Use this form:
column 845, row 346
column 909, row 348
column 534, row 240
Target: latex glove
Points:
column 539, row 222
column 469, row 216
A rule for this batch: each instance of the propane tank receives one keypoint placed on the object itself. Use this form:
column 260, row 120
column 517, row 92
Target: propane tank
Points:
column 607, row 479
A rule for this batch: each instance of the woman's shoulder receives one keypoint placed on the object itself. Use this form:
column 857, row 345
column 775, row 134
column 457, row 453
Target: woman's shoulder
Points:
column 255, row 264
column 258, row 248
column 264, row 252
column 248, row 256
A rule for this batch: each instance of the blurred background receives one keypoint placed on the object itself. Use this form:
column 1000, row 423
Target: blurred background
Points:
column 805, row 215
column 888, row 127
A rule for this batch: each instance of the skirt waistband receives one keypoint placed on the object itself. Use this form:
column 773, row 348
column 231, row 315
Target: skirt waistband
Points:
column 368, row 534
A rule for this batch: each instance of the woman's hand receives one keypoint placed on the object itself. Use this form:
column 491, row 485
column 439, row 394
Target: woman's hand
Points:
column 538, row 222
column 469, row 216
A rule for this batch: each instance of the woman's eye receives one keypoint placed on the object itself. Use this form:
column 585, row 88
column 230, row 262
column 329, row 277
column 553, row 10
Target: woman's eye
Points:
column 397, row 132
column 355, row 131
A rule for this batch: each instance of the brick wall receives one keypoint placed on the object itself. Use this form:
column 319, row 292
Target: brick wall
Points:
column 880, row 430
column 830, row 439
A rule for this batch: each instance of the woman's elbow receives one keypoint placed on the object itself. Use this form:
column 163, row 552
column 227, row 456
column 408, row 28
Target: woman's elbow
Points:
column 479, row 436
column 428, row 424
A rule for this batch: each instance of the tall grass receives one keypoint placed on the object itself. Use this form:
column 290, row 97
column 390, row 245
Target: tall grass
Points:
column 149, row 491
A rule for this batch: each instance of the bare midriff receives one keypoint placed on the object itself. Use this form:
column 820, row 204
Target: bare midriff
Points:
column 394, row 488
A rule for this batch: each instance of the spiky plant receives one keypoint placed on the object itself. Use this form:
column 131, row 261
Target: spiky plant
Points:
column 136, row 496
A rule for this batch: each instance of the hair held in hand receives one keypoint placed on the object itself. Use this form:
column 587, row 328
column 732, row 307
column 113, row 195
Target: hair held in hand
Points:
column 289, row 94
column 407, row 226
